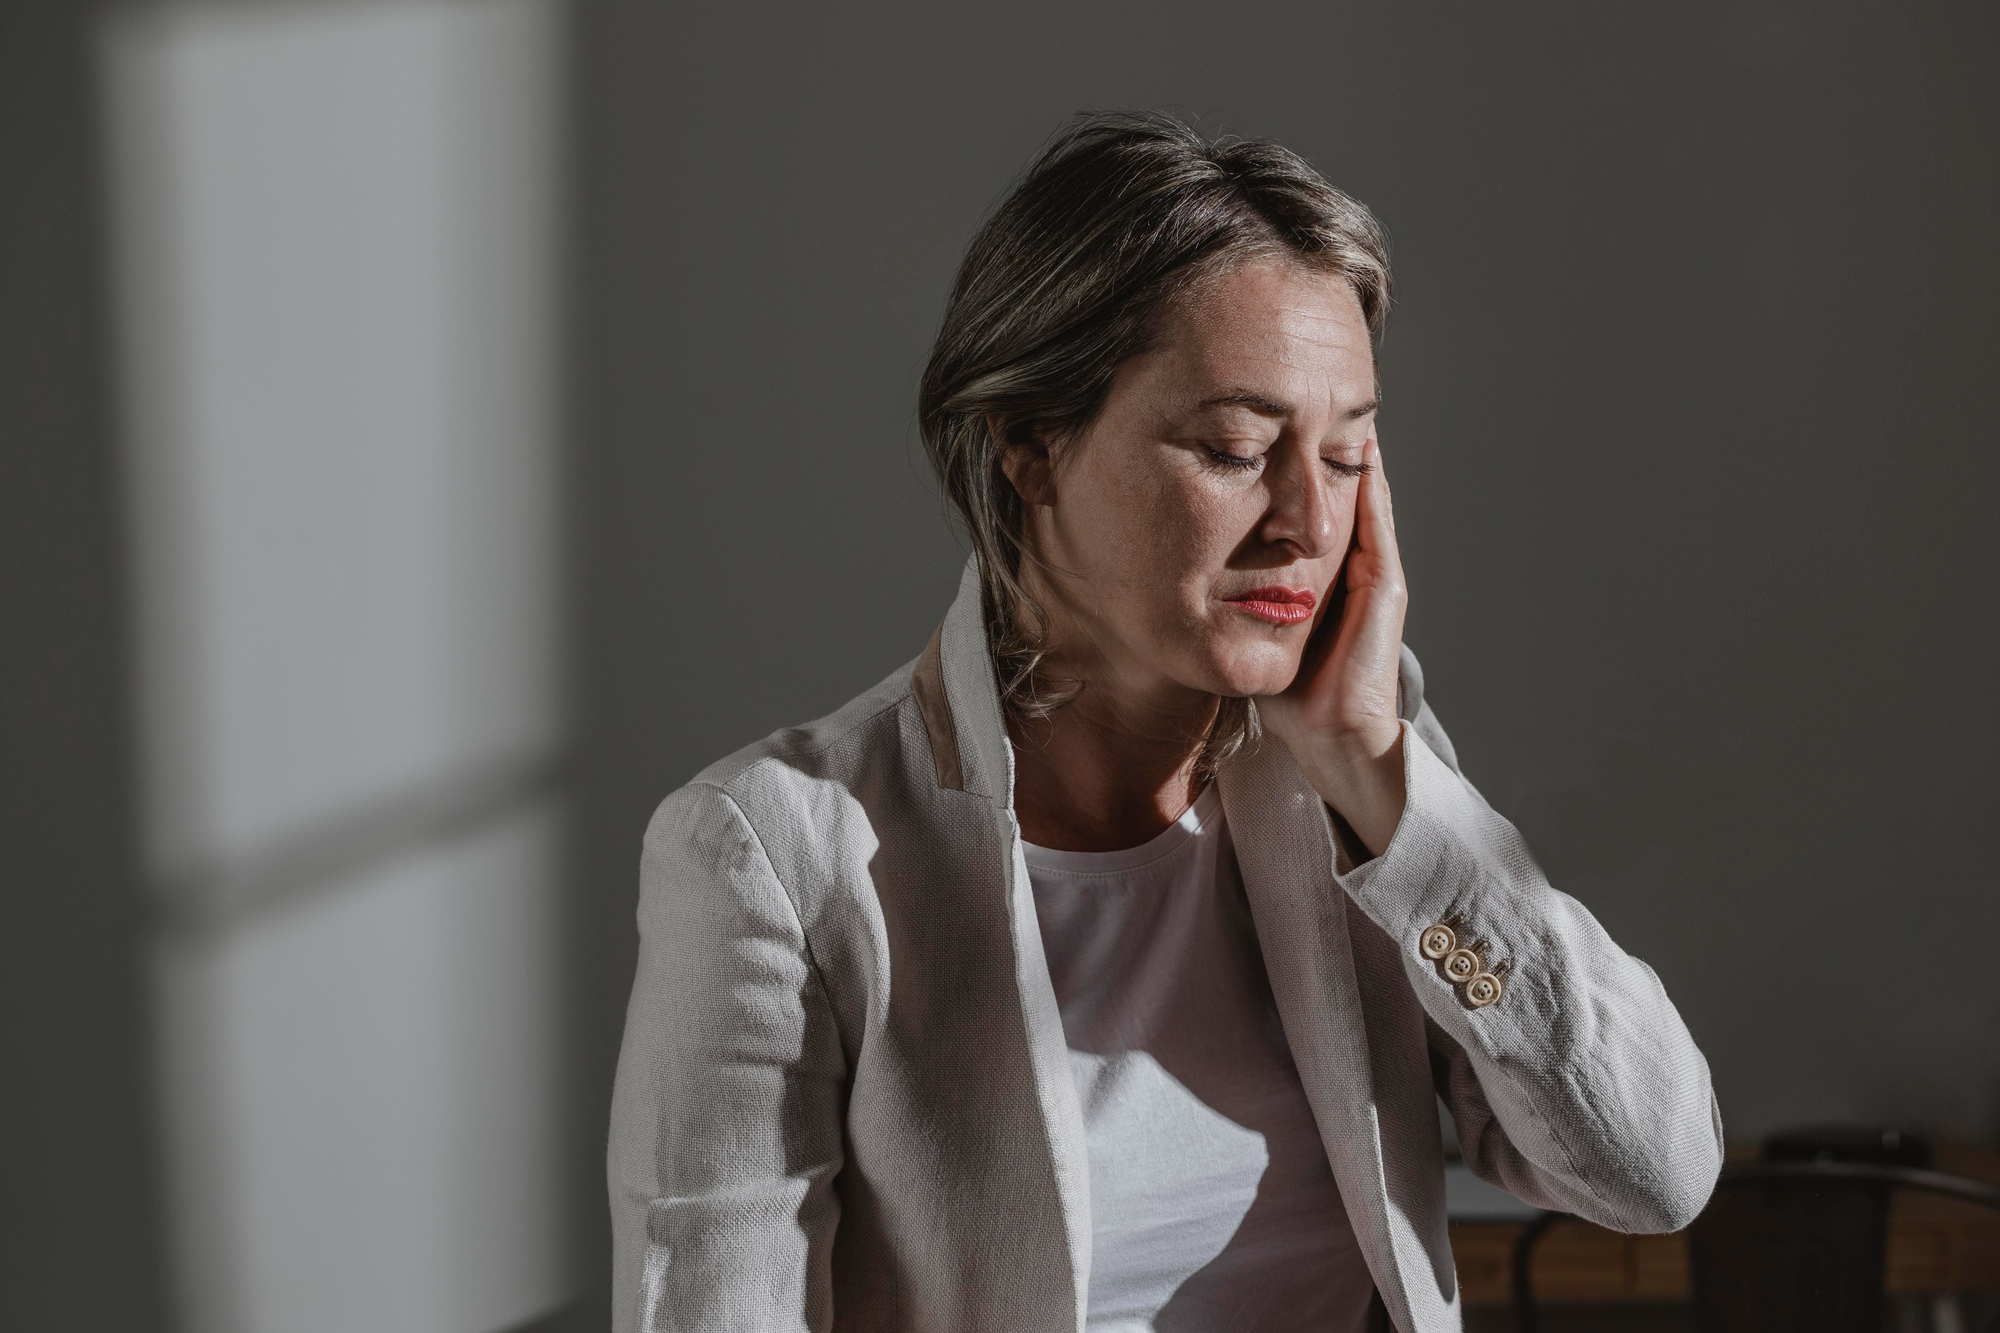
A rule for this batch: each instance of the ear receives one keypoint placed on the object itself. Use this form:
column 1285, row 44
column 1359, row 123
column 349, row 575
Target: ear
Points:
column 1024, row 457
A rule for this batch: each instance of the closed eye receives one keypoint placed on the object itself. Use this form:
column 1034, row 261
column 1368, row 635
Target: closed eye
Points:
column 1341, row 468
column 1228, row 462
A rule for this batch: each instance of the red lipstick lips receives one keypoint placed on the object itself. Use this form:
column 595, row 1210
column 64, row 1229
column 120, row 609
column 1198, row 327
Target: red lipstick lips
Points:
column 1277, row 604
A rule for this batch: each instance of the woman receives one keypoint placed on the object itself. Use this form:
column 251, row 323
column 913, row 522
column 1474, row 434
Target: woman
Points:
column 1104, row 967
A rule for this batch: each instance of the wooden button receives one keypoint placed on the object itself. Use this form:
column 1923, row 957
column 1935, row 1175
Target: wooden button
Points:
column 1483, row 990
column 1436, row 942
column 1462, row 965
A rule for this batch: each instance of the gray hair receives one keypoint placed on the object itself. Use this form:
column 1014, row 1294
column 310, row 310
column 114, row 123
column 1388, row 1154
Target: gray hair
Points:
column 1121, row 214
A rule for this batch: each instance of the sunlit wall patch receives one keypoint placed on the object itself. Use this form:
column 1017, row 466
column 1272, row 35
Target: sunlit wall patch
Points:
column 336, row 301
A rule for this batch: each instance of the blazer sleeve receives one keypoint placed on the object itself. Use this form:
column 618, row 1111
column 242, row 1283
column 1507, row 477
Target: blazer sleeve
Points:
column 1580, row 1089
column 726, row 1118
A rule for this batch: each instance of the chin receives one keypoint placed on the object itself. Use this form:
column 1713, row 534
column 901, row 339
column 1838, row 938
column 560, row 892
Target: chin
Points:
column 1250, row 670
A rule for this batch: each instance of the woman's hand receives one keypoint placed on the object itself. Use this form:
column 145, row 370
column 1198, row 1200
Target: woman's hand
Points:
column 1338, row 718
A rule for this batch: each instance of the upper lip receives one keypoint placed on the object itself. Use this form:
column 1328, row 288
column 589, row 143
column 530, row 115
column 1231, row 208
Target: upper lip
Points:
column 1278, row 592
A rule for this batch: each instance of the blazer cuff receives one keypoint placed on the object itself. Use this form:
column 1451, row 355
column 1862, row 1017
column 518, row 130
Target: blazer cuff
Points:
column 1426, row 871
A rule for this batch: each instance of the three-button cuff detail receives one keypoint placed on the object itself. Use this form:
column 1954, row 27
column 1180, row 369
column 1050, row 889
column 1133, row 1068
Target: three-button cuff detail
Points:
column 1462, row 964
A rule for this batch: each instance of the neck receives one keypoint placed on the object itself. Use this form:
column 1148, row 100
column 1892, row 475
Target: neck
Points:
column 1110, row 770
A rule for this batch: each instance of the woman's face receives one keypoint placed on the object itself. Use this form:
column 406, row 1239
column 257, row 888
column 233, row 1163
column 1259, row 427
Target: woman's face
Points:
column 1197, row 524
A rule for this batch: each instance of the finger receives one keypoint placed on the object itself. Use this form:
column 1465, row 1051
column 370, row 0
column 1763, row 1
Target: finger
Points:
column 1374, row 636
column 1375, row 523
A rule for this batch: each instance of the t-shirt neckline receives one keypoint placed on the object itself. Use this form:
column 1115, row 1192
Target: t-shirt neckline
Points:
column 1204, row 814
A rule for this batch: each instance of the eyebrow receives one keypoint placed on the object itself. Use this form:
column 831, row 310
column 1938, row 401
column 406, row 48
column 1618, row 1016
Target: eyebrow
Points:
column 1271, row 407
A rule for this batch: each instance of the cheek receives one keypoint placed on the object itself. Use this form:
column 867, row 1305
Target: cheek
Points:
column 1185, row 534
column 1144, row 523
column 1343, row 524
column 1327, row 570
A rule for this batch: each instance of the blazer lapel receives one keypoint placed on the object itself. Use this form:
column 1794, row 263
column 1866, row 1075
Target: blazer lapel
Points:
column 1285, row 850
column 960, row 707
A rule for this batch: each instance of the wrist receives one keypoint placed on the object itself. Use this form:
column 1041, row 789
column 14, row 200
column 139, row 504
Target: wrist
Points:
column 1360, row 774
column 1359, row 753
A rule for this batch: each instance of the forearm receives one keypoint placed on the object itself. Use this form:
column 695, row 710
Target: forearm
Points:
column 1573, row 1077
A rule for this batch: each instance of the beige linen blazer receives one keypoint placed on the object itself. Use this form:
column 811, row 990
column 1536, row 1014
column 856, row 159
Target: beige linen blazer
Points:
column 844, row 1100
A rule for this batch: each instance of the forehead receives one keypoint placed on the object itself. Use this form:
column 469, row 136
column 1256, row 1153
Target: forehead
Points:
column 1272, row 325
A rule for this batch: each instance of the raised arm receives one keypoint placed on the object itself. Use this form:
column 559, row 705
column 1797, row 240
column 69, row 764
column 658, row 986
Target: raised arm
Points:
column 1578, row 1087
column 1573, row 1081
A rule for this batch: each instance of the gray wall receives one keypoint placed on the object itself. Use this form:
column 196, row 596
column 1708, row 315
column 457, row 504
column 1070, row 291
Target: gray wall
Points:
column 1688, row 412
column 79, row 1219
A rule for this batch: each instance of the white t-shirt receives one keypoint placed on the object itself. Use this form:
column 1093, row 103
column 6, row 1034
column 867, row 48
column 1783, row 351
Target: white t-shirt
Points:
column 1213, row 1209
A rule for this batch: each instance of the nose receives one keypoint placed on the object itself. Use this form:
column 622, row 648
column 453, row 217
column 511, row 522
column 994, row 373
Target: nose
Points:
column 1303, row 511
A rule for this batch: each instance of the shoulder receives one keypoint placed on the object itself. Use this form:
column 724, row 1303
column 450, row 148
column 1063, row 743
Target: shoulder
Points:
column 778, row 779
